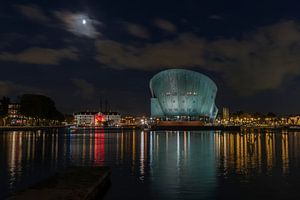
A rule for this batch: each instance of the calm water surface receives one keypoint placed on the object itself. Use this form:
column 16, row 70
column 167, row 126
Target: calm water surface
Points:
column 160, row 165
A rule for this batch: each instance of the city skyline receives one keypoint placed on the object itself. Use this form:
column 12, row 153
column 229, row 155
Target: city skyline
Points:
column 78, row 53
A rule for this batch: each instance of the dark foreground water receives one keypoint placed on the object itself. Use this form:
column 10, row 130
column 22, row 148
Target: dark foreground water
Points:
column 160, row 165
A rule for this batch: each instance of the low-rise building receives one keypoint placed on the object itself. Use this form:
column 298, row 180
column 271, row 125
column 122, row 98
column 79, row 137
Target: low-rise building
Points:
column 97, row 118
column 129, row 121
column 294, row 120
column 112, row 118
column 85, row 118
column 14, row 110
column 14, row 114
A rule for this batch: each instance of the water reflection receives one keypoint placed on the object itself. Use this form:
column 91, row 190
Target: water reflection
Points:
column 257, row 152
column 163, row 165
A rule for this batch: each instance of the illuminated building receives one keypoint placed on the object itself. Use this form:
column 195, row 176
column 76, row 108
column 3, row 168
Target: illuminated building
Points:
column 294, row 120
column 14, row 114
column 179, row 94
column 97, row 118
column 89, row 118
column 128, row 121
column 225, row 113
column 112, row 118
column 14, row 110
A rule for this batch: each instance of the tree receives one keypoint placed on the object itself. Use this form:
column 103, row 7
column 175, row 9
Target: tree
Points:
column 272, row 115
column 39, row 106
column 4, row 106
column 69, row 118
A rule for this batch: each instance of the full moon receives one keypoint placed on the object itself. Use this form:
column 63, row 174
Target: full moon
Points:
column 83, row 21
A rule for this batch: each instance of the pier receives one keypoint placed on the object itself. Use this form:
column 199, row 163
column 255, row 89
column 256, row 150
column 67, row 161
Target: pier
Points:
column 77, row 183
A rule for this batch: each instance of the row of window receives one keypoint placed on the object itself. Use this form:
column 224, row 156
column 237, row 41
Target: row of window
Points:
column 181, row 94
column 183, row 101
column 182, row 110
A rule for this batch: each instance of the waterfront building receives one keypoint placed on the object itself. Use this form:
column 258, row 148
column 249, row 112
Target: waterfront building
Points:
column 179, row 94
column 112, row 118
column 14, row 114
column 85, row 118
column 129, row 121
column 294, row 120
column 225, row 114
column 89, row 118
column 14, row 110
column 97, row 118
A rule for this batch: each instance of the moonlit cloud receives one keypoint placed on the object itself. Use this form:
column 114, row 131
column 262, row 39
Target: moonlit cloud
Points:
column 79, row 24
column 165, row 25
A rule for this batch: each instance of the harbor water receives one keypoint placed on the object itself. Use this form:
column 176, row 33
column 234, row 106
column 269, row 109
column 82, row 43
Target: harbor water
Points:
column 160, row 164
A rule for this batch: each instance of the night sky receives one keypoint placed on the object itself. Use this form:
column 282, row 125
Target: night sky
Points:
column 77, row 52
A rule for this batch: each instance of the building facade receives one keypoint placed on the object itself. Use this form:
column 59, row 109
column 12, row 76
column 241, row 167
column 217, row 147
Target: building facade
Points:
column 182, row 94
column 85, row 118
column 14, row 114
column 97, row 118
column 112, row 118
column 14, row 110
column 225, row 114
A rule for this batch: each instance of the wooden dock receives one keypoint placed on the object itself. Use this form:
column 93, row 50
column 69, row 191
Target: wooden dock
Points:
column 73, row 183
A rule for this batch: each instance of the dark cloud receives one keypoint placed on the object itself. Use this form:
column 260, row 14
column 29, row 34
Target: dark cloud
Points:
column 186, row 50
column 8, row 88
column 216, row 17
column 137, row 30
column 33, row 12
column 258, row 61
column 84, row 88
column 41, row 56
column 8, row 39
column 165, row 25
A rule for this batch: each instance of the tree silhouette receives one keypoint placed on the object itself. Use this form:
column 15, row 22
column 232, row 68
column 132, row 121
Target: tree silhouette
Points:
column 4, row 106
column 39, row 106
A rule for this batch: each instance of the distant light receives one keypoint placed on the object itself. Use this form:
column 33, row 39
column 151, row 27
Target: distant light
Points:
column 83, row 21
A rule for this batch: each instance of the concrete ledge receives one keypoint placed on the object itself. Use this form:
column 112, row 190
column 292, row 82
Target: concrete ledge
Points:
column 196, row 128
column 73, row 183
column 28, row 128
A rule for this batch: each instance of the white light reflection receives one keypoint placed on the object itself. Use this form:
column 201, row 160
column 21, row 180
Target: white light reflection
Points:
column 142, row 167
column 178, row 148
column 12, row 161
column 151, row 148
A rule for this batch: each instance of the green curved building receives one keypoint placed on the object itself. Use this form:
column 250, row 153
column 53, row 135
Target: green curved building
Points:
column 183, row 94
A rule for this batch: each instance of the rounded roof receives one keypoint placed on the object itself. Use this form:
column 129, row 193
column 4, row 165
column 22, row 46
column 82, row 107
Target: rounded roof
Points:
column 181, row 71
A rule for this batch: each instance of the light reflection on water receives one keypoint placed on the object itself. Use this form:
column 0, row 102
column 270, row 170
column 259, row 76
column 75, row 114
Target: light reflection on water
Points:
column 160, row 165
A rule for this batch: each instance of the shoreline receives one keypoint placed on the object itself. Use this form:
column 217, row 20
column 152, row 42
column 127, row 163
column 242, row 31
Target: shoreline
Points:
column 29, row 128
column 156, row 128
